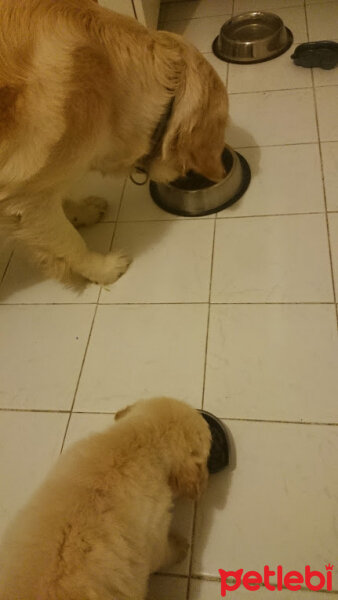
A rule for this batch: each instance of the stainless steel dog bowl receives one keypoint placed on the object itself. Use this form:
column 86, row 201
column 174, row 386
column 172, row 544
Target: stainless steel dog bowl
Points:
column 252, row 37
column 195, row 196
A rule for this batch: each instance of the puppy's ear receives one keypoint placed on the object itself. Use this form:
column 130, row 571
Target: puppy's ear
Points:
column 189, row 479
column 122, row 413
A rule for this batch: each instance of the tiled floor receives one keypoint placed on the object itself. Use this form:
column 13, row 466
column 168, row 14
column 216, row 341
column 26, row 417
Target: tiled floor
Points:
column 236, row 313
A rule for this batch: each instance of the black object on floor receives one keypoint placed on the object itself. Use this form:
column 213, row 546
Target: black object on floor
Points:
column 219, row 452
column 316, row 54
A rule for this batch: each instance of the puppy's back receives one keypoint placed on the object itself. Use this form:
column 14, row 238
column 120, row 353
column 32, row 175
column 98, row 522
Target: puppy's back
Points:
column 81, row 530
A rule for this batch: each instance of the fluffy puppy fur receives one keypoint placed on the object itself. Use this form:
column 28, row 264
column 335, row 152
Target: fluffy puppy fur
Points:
column 83, row 88
column 99, row 525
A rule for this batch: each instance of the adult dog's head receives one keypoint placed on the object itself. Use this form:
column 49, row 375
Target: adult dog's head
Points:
column 179, row 436
column 194, row 138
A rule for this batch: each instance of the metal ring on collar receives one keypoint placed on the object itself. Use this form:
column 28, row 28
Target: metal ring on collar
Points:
column 138, row 171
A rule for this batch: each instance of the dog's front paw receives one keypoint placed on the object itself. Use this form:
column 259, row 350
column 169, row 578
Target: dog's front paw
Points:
column 112, row 267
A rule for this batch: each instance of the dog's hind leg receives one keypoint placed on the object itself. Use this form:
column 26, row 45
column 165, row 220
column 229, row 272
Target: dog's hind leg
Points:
column 59, row 248
column 176, row 550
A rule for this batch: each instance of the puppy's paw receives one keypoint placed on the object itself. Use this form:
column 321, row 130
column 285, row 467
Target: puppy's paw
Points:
column 179, row 547
column 87, row 212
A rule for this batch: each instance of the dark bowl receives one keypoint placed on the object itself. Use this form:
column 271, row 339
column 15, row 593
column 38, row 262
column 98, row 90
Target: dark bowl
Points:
column 219, row 452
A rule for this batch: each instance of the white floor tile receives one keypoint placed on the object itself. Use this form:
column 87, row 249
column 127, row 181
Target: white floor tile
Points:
column 168, row 265
column 277, row 74
column 268, row 510
column 41, row 351
column 272, row 259
column 30, row 443
column 24, row 283
column 192, row 9
column 167, row 588
column 143, row 351
column 271, row 118
column 273, row 362
column 202, row 590
column 333, row 225
column 120, row 6
column 201, row 32
column 327, row 102
column 271, row 191
column 95, row 184
column 330, row 166
column 270, row 5
column 137, row 205
column 322, row 20
column 83, row 425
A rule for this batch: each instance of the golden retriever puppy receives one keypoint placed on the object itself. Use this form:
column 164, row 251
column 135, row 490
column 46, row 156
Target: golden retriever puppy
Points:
column 99, row 525
column 83, row 88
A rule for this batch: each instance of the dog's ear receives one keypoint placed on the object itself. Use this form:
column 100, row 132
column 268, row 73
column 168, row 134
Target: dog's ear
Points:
column 122, row 413
column 202, row 157
column 195, row 133
column 189, row 478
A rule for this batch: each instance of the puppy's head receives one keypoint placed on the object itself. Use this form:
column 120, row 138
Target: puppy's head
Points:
column 194, row 139
column 180, row 436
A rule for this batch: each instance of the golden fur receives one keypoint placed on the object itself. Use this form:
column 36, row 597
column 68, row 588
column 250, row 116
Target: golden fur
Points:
column 83, row 88
column 99, row 525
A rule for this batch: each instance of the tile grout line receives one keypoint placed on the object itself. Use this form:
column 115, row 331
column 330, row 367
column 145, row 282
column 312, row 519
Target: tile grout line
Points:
column 323, row 179
column 293, row 89
column 224, row 418
column 203, row 220
column 209, row 309
column 278, row 422
column 211, row 578
column 6, row 268
column 191, row 550
column 97, row 304
column 78, row 379
column 182, row 303
column 203, row 391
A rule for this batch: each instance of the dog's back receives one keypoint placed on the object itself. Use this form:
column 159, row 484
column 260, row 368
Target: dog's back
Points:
column 47, row 65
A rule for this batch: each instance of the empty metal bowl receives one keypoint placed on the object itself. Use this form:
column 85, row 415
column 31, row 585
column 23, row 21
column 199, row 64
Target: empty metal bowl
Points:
column 252, row 37
column 195, row 196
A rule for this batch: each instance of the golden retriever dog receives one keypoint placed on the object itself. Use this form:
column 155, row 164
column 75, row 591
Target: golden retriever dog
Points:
column 83, row 88
column 99, row 525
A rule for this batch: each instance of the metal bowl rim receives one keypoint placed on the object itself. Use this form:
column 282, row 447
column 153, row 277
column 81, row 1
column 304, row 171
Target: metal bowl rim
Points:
column 230, row 59
column 246, row 178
